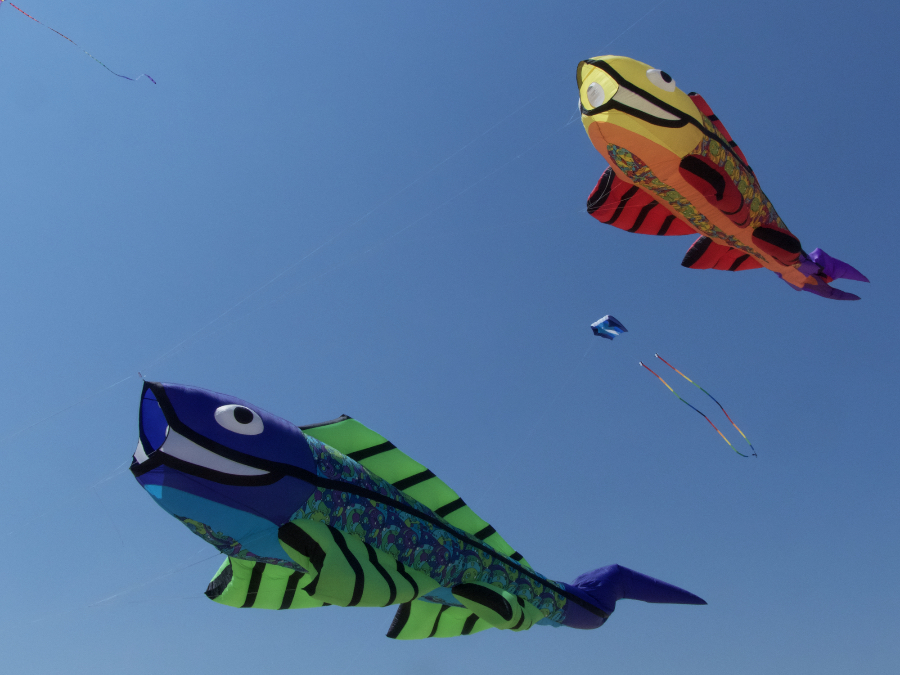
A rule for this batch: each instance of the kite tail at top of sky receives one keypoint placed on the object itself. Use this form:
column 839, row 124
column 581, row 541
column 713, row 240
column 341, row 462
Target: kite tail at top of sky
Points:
column 704, row 416
column 711, row 396
column 133, row 79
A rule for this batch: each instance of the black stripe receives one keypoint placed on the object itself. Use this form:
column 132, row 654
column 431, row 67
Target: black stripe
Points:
column 437, row 619
column 521, row 618
column 310, row 588
column 253, row 588
column 488, row 597
column 618, row 212
column 447, row 509
column 360, row 581
column 288, row 599
column 324, row 483
column 415, row 479
column 601, row 192
column 218, row 585
column 400, row 620
column 373, row 559
column 360, row 455
column 704, row 171
column 713, row 118
column 642, row 215
column 469, row 624
column 342, row 418
column 305, row 545
column 666, row 224
column 737, row 263
column 517, row 556
column 695, row 252
column 485, row 533
column 409, row 579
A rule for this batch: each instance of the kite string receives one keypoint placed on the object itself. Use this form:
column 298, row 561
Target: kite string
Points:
column 133, row 79
column 693, row 408
column 711, row 396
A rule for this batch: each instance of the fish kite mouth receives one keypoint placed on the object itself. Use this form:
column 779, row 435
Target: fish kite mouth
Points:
column 160, row 444
column 627, row 98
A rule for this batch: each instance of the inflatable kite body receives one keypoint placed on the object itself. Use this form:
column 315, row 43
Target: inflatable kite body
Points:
column 674, row 169
column 335, row 514
column 608, row 327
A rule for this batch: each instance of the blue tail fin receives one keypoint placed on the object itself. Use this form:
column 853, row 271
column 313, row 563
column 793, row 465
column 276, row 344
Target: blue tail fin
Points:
column 604, row 586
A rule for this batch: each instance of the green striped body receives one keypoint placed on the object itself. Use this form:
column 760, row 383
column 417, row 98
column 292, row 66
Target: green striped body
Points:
column 381, row 529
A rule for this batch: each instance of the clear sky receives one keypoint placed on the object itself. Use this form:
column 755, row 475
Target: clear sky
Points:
column 377, row 209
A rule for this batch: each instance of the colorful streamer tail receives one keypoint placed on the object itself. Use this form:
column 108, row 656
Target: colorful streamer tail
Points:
column 752, row 449
column 133, row 79
column 693, row 408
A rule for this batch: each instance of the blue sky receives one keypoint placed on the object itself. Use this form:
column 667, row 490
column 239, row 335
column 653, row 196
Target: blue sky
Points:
column 377, row 209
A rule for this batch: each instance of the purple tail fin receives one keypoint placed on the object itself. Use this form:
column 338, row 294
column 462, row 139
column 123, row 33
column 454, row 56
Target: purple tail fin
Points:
column 604, row 586
column 836, row 269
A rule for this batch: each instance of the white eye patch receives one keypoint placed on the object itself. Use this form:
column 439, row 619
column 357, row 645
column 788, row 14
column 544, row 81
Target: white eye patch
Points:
column 595, row 94
column 661, row 79
column 239, row 419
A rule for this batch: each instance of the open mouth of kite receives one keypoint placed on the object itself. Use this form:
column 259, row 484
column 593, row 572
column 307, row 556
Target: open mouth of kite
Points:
column 631, row 102
column 160, row 445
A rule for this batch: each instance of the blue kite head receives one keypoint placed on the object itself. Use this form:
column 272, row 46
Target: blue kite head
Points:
column 203, row 453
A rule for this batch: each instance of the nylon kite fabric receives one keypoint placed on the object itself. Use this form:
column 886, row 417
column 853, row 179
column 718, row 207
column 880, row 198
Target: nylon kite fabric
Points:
column 608, row 327
column 335, row 514
column 674, row 169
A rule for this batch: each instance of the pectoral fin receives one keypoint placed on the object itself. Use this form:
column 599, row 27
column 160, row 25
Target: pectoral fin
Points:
column 497, row 607
column 245, row 583
column 348, row 571
column 624, row 205
column 421, row 619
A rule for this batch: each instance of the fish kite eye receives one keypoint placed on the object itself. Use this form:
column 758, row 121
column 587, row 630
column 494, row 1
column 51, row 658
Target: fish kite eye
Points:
column 661, row 79
column 239, row 419
column 595, row 94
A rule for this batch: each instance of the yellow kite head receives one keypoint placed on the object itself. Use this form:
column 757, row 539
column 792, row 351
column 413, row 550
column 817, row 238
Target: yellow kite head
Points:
column 616, row 90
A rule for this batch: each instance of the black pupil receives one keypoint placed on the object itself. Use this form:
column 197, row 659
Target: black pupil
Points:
column 243, row 415
column 665, row 76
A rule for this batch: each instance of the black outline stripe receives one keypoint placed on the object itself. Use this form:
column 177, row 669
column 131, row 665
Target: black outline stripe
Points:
column 359, row 584
column 412, row 582
column 299, row 540
column 486, row 532
column 517, row 556
column 401, row 618
column 738, row 262
column 521, row 618
column 449, row 508
column 666, row 224
column 469, row 624
column 415, row 479
column 392, row 588
column 437, row 619
column 288, row 598
column 642, row 216
column 333, row 484
column 253, row 587
column 360, row 455
column 632, row 191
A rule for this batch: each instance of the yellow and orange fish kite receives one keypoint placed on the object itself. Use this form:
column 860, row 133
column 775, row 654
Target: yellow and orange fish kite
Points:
column 674, row 169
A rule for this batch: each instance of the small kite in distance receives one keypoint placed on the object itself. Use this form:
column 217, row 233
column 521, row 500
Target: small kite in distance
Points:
column 133, row 79
column 608, row 327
